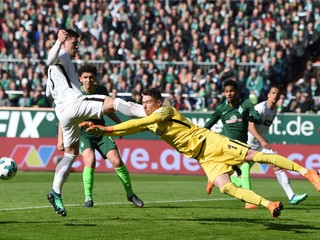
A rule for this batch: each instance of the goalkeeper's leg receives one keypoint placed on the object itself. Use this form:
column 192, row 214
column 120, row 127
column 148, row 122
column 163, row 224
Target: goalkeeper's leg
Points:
column 285, row 163
column 246, row 195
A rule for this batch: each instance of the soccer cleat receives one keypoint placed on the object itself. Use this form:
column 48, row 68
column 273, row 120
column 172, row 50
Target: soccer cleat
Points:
column 56, row 201
column 275, row 208
column 88, row 203
column 314, row 178
column 250, row 206
column 209, row 187
column 136, row 201
column 296, row 199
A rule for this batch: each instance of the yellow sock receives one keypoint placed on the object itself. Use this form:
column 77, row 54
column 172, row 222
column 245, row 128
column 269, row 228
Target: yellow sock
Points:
column 245, row 195
column 279, row 161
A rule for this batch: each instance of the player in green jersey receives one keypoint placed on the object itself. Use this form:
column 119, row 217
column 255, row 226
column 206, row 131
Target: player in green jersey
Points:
column 235, row 115
column 105, row 145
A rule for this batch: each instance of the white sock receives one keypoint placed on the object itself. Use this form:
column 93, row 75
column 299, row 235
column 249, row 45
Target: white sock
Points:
column 62, row 172
column 284, row 182
column 129, row 109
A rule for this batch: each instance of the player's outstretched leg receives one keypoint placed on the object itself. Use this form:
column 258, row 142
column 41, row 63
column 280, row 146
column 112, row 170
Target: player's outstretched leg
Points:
column 249, row 196
column 285, row 163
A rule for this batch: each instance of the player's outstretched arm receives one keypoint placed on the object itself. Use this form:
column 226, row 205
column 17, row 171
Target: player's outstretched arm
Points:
column 54, row 51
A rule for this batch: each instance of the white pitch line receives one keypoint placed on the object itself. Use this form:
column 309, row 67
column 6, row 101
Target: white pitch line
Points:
column 123, row 203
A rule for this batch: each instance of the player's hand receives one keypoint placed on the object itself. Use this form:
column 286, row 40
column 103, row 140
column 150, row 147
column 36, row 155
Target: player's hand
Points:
column 265, row 144
column 86, row 124
column 60, row 146
column 62, row 35
column 99, row 130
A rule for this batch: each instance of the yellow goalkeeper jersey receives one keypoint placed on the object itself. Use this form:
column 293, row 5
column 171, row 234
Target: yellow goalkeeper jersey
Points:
column 170, row 126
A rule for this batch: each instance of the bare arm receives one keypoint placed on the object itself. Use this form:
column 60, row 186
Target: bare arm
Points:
column 131, row 126
column 114, row 117
column 252, row 129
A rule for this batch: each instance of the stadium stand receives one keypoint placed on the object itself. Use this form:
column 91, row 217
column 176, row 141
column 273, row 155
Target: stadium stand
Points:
column 187, row 48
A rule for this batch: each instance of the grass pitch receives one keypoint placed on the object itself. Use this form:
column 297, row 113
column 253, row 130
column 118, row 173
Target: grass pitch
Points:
column 176, row 207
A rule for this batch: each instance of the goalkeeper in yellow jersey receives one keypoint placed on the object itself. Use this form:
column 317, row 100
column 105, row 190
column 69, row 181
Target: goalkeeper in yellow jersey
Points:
column 215, row 153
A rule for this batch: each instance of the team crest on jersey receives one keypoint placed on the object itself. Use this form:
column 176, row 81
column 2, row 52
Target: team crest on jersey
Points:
column 240, row 110
column 233, row 119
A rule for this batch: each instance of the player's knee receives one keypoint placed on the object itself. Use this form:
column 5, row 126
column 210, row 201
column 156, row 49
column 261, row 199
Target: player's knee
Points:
column 109, row 105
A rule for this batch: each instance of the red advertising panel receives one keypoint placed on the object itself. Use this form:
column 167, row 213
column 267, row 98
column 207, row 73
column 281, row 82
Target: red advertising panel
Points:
column 142, row 156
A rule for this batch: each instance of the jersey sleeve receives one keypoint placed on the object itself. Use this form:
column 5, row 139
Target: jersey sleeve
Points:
column 53, row 55
column 213, row 119
column 254, row 113
column 142, row 124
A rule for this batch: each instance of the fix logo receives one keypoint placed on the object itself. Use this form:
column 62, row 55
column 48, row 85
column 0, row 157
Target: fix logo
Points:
column 23, row 124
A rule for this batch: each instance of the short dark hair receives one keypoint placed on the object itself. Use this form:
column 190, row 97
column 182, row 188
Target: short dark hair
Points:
column 88, row 69
column 152, row 92
column 275, row 86
column 72, row 33
column 230, row 82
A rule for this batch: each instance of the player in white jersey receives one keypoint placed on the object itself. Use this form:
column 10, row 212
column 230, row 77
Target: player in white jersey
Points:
column 256, row 139
column 72, row 107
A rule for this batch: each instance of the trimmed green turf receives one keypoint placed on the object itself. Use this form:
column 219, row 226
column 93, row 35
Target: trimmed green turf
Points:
column 176, row 207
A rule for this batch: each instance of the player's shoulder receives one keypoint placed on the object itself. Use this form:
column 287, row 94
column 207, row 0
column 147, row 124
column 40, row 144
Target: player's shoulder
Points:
column 166, row 109
column 101, row 90
column 246, row 104
column 221, row 107
column 260, row 106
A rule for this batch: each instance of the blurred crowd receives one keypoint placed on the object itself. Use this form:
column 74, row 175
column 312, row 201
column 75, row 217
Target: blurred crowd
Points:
column 139, row 43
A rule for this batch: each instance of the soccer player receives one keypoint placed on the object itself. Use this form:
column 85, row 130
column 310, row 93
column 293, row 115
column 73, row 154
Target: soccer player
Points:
column 235, row 115
column 72, row 107
column 256, row 139
column 105, row 145
column 214, row 152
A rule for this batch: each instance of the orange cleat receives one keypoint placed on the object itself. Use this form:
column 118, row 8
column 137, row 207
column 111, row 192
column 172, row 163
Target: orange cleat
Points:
column 314, row 178
column 209, row 187
column 250, row 206
column 275, row 208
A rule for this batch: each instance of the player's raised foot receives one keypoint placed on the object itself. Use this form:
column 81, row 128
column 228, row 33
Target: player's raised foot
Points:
column 57, row 203
column 250, row 206
column 136, row 201
column 88, row 203
column 314, row 178
column 209, row 187
column 275, row 208
column 296, row 199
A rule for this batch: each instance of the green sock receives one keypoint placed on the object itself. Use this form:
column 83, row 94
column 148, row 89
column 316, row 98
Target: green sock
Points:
column 125, row 179
column 245, row 175
column 88, row 179
column 236, row 180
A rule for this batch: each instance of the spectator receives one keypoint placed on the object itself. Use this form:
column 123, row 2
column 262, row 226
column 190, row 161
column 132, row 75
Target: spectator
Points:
column 181, row 103
column 4, row 100
column 278, row 36
column 24, row 100
column 254, row 83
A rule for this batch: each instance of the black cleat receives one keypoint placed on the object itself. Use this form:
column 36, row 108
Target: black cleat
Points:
column 88, row 203
column 136, row 201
